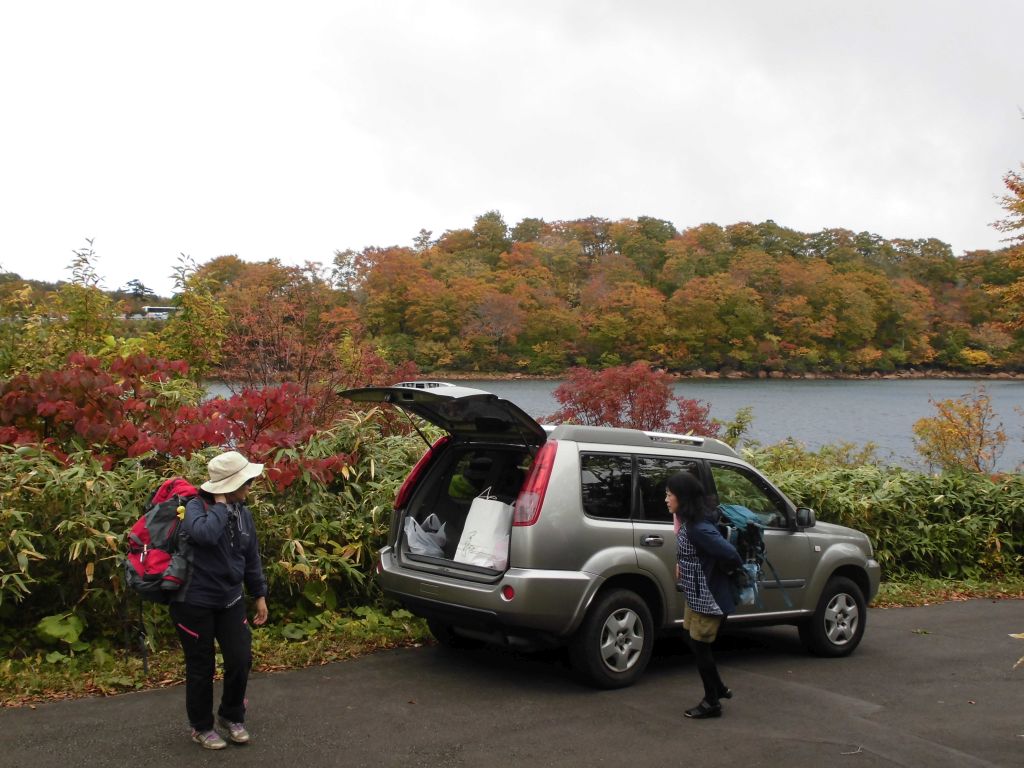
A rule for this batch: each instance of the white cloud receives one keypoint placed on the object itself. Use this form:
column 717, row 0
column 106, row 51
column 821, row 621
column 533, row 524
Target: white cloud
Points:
column 268, row 131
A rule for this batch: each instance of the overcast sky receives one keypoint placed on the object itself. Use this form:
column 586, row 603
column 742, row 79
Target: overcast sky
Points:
column 293, row 130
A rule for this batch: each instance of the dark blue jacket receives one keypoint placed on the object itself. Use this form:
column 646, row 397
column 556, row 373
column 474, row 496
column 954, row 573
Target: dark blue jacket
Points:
column 225, row 554
column 718, row 558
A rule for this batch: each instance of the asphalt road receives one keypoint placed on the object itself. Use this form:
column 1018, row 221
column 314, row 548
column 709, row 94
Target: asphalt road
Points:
column 928, row 687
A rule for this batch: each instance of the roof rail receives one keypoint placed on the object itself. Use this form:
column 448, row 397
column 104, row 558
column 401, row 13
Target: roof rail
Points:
column 671, row 437
column 636, row 437
column 710, row 444
column 423, row 384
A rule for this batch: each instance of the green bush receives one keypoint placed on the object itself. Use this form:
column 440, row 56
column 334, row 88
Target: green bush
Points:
column 62, row 529
column 953, row 525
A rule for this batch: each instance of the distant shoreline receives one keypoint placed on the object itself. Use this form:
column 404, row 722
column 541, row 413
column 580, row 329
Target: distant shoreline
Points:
column 739, row 375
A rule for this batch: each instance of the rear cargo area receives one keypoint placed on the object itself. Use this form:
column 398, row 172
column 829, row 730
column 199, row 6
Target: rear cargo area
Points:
column 462, row 508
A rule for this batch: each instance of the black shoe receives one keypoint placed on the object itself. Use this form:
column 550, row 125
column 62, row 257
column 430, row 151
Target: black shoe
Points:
column 704, row 710
column 724, row 693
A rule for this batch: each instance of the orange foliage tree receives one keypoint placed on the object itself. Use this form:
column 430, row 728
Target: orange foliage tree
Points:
column 287, row 325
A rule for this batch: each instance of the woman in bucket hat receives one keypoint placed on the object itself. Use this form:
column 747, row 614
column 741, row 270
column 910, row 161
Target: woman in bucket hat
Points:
column 211, row 606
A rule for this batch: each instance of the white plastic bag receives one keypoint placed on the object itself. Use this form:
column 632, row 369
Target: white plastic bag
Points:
column 744, row 584
column 426, row 539
column 484, row 540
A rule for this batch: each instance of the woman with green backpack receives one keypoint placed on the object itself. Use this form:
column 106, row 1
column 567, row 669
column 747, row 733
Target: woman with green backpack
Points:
column 704, row 560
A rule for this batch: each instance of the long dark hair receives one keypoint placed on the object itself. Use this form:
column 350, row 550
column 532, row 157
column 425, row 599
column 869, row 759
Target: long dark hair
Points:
column 693, row 502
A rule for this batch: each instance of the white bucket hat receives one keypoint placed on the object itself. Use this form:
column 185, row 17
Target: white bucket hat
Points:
column 229, row 472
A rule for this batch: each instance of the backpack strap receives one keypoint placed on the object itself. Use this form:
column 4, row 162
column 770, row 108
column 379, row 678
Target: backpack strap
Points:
column 778, row 581
column 740, row 516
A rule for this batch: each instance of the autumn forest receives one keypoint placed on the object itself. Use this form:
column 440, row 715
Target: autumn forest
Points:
column 542, row 297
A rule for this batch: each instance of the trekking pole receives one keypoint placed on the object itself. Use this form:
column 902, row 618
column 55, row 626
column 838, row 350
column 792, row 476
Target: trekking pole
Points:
column 124, row 611
column 143, row 639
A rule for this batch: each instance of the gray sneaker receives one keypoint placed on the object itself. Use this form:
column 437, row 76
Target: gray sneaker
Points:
column 208, row 739
column 236, row 731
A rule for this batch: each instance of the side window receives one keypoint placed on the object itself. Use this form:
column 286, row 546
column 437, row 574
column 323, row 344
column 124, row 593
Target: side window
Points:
column 607, row 483
column 652, row 472
column 737, row 486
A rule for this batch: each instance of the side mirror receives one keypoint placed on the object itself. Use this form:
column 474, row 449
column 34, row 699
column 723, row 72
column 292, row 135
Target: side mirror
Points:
column 805, row 517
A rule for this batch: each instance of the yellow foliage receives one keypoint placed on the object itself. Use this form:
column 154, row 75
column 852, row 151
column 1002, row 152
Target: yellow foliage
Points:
column 964, row 434
column 975, row 357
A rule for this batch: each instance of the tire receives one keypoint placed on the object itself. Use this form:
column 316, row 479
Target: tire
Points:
column 613, row 645
column 446, row 638
column 838, row 622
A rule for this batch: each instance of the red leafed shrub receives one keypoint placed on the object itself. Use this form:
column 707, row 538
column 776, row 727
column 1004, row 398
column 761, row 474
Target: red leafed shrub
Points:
column 631, row 396
column 85, row 405
column 264, row 424
column 122, row 412
column 694, row 417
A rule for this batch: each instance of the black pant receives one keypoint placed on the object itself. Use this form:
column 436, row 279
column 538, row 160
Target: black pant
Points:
column 197, row 629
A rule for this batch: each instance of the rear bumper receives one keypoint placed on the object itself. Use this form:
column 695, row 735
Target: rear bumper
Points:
column 544, row 602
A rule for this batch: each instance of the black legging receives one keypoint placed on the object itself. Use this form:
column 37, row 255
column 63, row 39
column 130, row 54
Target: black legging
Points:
column 713, row 685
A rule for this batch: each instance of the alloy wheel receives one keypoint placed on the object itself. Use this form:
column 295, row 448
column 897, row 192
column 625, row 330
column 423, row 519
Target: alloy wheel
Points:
column 622, row 639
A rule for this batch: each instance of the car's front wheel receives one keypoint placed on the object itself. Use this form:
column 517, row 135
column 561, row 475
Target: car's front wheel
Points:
column 612, row 647
column 838, row 623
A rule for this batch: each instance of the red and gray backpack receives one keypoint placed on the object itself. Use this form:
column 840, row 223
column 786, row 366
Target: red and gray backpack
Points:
column 159, row 559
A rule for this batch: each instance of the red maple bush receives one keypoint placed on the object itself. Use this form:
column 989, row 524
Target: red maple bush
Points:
column 632, row 396
column 86, row 404
column 123, row 411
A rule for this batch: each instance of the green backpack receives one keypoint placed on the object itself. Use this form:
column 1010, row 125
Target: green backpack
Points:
column 744, row 530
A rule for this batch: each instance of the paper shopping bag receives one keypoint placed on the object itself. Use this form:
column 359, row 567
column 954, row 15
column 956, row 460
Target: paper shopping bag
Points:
column 485, row 536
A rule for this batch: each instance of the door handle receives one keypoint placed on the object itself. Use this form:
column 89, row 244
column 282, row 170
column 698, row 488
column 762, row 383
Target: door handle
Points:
column 651, row 541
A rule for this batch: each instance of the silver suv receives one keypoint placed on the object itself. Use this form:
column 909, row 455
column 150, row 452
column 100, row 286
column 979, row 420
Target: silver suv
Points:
column 574, row 545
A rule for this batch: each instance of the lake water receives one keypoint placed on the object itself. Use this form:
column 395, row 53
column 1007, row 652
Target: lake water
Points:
column 820, row 412
column 815, row 413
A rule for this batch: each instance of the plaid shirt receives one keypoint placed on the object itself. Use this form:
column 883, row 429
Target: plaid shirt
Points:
column 695, row 586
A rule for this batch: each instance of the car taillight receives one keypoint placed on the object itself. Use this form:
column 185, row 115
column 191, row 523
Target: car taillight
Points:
column 531, row 497
column 414, row 477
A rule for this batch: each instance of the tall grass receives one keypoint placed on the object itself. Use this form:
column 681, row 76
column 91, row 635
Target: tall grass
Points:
column 951, row 525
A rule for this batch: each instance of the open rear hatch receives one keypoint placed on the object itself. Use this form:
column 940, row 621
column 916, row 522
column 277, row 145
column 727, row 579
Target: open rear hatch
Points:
column 463, row 412
column 458, row 512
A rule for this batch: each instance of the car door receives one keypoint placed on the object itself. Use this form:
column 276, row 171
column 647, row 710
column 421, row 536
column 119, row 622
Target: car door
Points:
column 654, row 537
column 788, row 550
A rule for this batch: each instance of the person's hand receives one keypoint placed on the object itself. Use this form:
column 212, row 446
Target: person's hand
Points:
column 261, row 612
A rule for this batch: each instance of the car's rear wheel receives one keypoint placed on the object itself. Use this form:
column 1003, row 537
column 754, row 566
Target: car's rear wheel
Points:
column 838, row 623
column 612, row 647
